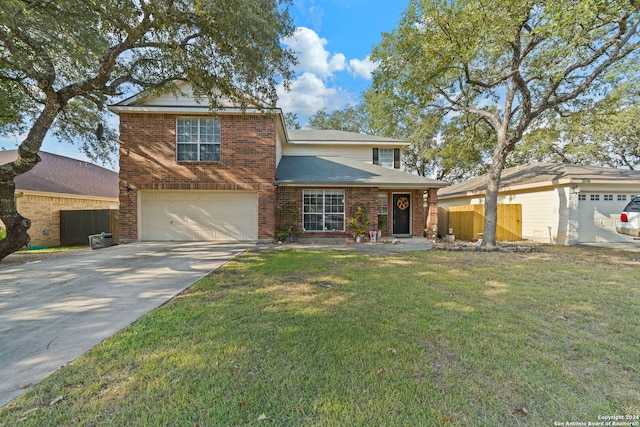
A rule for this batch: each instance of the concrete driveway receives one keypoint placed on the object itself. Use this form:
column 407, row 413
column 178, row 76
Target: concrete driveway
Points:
column 632, row 246
column 55, row 310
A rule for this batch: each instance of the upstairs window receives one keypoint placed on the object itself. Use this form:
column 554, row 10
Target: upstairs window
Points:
column 198, row 140
column 387, row 157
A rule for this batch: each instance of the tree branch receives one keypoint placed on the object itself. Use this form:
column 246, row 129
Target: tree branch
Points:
column 489, row 85
column 551, row 98
column 108, row 62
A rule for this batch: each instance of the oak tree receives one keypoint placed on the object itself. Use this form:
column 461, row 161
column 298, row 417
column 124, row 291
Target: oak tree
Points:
column 510, row 63
column 606, row 134
column 350, row 118
column 63, row 61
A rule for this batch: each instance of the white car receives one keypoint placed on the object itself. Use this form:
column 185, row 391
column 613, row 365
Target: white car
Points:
column 629, row 222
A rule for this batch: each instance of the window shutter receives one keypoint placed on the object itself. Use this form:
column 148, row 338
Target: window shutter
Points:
column 396, row 158
column 375, row 157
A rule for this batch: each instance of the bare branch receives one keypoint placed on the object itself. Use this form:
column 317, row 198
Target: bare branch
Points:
column 455, row 105
column 489, row 85
column 551, row 98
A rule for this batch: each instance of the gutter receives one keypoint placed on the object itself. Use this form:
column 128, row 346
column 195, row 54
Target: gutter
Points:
column 387, row 186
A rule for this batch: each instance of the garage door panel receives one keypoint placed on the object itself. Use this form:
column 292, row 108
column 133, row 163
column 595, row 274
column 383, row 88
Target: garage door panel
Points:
column 597, row 220
column 201, row 215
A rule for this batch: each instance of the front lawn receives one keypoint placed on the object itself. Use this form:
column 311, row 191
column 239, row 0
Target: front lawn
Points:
column 337, row 338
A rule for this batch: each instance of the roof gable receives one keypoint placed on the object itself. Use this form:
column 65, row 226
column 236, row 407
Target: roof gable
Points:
column 181, row 97
column 63, row 175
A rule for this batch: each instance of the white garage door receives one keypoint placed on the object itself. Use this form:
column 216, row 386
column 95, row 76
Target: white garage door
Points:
column 597, row 216
column 198, row 215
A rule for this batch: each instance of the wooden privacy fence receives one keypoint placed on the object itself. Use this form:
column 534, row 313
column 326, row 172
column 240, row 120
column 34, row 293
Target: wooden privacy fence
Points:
column 468, row 222
column 77, row 226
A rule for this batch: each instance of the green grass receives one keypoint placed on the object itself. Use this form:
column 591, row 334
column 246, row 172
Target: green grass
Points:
column 335, row 338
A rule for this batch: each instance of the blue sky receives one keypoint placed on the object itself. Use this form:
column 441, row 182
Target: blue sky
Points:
column 333, row 41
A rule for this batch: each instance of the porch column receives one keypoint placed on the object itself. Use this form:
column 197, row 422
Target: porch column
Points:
column 432, row 209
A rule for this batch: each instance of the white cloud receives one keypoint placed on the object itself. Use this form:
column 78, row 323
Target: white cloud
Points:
column 319, row 71
column 362, row 68
column 308, row 94
column 312, row 56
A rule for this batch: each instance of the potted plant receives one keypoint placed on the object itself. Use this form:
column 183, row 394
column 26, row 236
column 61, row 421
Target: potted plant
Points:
column 358, row 223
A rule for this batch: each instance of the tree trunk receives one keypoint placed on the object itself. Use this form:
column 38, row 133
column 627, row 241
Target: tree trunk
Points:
column 491, row 194
column 16, row 224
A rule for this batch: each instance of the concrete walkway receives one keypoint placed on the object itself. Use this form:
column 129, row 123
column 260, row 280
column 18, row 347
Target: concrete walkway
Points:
column 633, row 246
column 55, row 310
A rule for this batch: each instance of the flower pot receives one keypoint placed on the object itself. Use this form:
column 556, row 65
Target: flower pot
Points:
column 358, row 239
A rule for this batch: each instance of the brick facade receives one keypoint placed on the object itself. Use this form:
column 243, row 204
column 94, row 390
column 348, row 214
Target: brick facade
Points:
column 432, row 210
column 44, row 212
column 148, row 162
column 367, row 196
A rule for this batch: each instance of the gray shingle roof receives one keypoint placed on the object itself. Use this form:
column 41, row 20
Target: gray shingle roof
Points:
column 59, row 174
column 338, row 136
column 543, row 174
column 338, row 171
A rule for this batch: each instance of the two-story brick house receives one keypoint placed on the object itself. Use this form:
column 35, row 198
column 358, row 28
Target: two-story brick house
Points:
column 189, row 174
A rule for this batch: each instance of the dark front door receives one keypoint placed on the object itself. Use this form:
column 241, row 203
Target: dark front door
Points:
column 401, row 214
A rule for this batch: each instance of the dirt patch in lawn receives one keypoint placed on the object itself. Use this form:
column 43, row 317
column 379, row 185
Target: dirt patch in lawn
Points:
column 24, row 257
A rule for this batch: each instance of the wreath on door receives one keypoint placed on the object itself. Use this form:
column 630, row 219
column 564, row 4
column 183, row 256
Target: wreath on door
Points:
column 402, row 203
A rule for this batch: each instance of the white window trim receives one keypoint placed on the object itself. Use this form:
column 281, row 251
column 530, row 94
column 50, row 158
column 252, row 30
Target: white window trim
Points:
column 324, row 212
column 383, row 210
column 199, row 142
column 388, row 160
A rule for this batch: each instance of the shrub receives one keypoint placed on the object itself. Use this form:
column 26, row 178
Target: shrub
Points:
column 358, row 223
column 288, row 220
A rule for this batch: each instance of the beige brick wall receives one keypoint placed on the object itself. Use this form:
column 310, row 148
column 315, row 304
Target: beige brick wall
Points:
column 44, row 213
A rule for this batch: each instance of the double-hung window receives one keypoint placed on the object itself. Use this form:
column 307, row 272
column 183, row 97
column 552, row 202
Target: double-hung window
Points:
column 323, row 210
column 198, row 139
column 387, row 157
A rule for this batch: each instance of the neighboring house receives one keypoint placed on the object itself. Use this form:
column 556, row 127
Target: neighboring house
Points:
column 189, row 174
column 561, row 203
column 59, row 183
